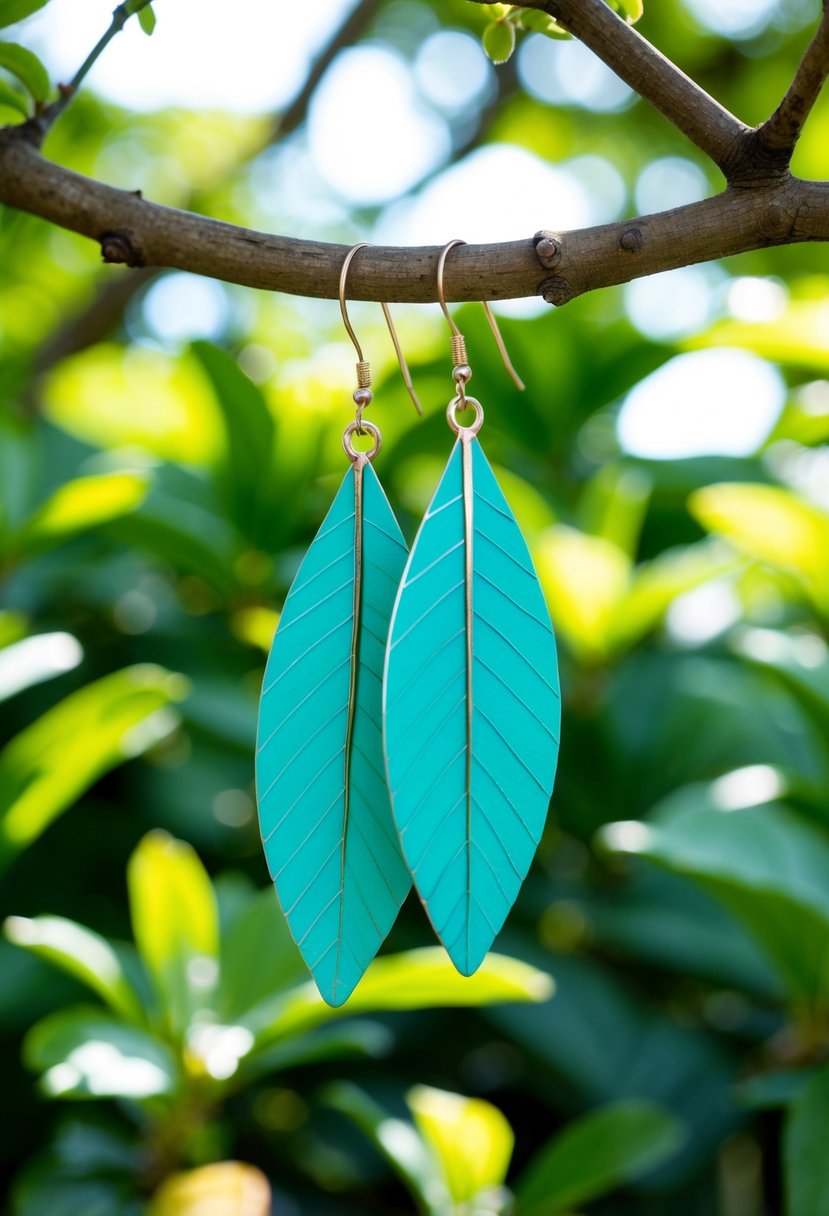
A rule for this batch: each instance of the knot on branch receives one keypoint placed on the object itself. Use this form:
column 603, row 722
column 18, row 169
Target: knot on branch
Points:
column 631, row 240
column 118, row 247
column 557, row 291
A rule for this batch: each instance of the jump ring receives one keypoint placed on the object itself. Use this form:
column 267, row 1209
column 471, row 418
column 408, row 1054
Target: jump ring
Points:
column 364, row 428
column 462, row 402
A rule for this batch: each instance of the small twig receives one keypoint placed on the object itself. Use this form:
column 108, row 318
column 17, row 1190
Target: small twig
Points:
column 713, row 129
column 49, row 115
column 782, row 130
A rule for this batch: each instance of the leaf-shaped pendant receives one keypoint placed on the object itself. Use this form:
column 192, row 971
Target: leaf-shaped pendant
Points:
column 472, row 707
column 324, row 810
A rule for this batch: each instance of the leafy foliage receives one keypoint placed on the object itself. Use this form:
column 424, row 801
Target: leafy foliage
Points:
column 157, row 493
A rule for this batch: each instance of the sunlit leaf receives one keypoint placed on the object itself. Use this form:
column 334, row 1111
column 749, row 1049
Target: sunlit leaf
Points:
column 773, row 525
column 175, row 923
column 417, row 979
column 228, row 1188
column 595, row 1154
column 540, row 23
column 78, row 506
column 32, row 660
column 52, row 762
column 80, row 952
column 470, row 1138
column 83, row 1053
column 113, row 398
column 585, row 579
column 12, row 11
column 766, row 865
column 26, row 67
column 804, row 1150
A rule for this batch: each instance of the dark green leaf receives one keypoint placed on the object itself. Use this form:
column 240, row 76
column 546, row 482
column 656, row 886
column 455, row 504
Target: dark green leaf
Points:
column 595, row 1154
column 12, row 99
column 767, row 866
column 805, row 1158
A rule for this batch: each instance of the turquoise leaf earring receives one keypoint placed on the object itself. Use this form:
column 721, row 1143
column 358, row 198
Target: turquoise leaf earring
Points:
column 324, row 811
column 471, row 694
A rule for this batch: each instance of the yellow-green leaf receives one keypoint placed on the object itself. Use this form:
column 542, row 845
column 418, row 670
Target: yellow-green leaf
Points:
column 26, row 67
column 499, row 40
column 176, row 925
column 229, row 1188
column 470, row 1138
column 585, row 579
column 46, row 768
column 146, row 19
column 78, row 506
column 773, row 525
column 417, row 979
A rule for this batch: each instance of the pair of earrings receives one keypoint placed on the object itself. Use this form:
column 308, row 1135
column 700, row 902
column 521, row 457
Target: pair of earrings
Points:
column 408, row 726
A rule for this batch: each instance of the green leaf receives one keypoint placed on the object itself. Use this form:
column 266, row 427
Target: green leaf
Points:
column 244, row 471
column 77, row 506
column 614, row 503
column 52, row 762
column 540, row 23
column 83, row 1053
column 12, row 11
column 767, row 866
column 147, row 19
column 417, row 979
column 26, row 66
column 259, row 956
column 499, row 40
column 470, row 1138
column 393, row 1134
column 772, row 525
column 805, row 1159
column 12, row 99
column 595, row 1154
column 631, row 10
column 80, row 952
column 175, row 923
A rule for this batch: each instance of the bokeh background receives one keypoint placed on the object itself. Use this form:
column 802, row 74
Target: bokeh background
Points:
column 169, row 446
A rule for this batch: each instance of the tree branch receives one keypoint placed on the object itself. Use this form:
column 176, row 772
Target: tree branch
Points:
column 49, row 115
column 713, row 129
column 782, row 130
column 130, row 229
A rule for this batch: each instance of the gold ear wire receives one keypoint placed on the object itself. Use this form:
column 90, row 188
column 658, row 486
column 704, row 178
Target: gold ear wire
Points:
column 458, row 342
column 363, row 368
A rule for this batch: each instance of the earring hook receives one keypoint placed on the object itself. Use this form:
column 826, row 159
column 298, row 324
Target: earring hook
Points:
column 363, row 368
column 458, row 343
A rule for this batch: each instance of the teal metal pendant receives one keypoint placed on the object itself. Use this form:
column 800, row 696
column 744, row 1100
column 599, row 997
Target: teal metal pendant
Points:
column 471, row 706
column 324, row 810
